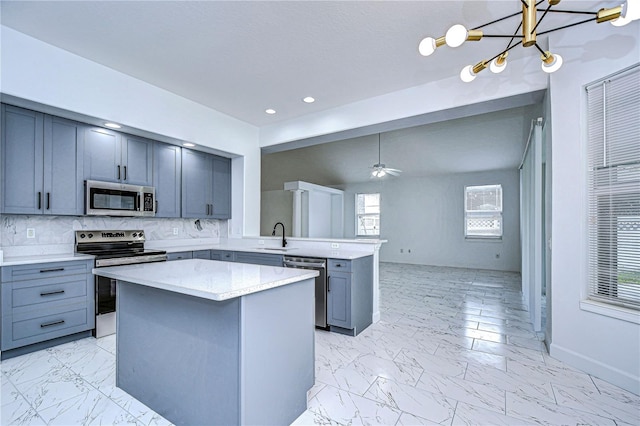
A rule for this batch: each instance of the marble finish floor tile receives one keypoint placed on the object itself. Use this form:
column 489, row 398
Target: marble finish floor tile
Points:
column 453, row 347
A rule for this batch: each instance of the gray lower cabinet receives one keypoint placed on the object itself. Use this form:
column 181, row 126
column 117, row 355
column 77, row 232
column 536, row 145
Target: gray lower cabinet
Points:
column 167, row 179
column 224, row 255
column 114, row 157
column 40, row 171
column 202, row 254
column 179, row 255
column 45, row 301
column 267, row 259
column 350, row 294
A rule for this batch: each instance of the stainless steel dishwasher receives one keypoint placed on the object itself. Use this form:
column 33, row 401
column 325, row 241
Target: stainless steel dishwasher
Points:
column 319, row 265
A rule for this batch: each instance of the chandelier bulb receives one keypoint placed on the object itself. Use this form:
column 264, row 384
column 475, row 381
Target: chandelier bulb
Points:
column 499, row 64
column 427, row 46
column 467, row 75
column 630, row 12
column 456, row 35
column 551, row 62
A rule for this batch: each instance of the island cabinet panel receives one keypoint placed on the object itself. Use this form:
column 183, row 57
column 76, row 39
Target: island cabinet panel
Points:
column 206, row 185
column 243, row 361
column 45, row 301
column 267, row 259
column 167, row 179
column 202, row 254
column 114, row 157
column 350, row 295
column 40, row 174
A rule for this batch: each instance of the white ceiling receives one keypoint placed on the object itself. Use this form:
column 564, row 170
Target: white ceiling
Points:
column 241, row 57
column 491, row 141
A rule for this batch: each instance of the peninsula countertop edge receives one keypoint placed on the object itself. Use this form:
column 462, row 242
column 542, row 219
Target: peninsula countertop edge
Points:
column 207, row 279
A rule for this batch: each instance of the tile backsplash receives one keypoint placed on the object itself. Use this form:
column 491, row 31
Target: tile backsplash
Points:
column 50, row 230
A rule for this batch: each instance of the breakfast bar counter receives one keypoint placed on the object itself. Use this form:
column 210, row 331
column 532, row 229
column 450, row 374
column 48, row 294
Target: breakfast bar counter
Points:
column 209, row 342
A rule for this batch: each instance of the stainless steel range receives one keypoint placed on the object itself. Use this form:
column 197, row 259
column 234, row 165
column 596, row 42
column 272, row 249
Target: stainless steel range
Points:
column 112, row 248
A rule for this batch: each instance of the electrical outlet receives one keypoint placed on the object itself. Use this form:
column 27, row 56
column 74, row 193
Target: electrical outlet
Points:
column 261, row 242
column 335, row 245
column 31, row 232
column 175, row 231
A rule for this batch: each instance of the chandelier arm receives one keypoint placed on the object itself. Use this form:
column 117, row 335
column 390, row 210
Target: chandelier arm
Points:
column 579, row 12
column 567, row 26
column 540, row 49
column 503, row 18
column 512, row 36
column 504, row 51
column 541, row 18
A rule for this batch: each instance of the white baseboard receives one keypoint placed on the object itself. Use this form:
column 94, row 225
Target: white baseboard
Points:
column 597, row 369
column 376, row 317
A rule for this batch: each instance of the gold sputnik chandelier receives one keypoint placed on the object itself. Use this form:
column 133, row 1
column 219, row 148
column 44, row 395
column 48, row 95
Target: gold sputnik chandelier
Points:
column 525, row 34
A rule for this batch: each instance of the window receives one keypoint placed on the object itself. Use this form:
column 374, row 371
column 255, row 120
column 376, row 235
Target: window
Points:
column 483, row 211
column 367, row 214
column 613, row 171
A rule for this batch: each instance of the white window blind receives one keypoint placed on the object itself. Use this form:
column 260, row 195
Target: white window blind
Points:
column 613, row 113
column 367, row 214
column 483, row 211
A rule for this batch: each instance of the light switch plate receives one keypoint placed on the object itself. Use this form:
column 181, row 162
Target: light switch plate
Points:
column 175, row 231
column 31, row 232
column 335, row 245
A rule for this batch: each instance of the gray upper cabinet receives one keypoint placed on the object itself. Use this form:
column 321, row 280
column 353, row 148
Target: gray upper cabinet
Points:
column 167, row 170
column 197, row 179
column 221, row 188
column 206, row 185
column 114, row 157
column 40, row 173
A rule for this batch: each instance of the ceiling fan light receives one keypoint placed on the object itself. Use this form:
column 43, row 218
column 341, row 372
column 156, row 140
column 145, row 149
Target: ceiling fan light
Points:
column 378, row 173
column 456, row 35
column 551, row 62
column 499, row 64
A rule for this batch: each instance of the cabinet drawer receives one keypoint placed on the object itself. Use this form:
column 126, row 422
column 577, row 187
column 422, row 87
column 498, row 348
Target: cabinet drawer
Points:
column 180, row 255
column 339, row 265
column 45, row 291
column 202, row 254
column 260, row 258
column 227, row 256
column 45, row 270
column 63, row 321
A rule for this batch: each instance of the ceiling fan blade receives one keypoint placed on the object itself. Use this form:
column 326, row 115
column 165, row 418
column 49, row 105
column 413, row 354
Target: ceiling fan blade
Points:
column 393, row 172
column 389, row 169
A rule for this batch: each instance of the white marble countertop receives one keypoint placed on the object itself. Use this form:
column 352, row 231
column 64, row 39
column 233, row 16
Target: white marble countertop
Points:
column 207, row 279
column 43, row 258
column 291, row 251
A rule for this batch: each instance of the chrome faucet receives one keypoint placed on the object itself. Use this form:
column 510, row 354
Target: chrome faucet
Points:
column 284, row 241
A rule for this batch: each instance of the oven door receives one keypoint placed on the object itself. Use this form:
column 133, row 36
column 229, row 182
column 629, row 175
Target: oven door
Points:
column 105, row 295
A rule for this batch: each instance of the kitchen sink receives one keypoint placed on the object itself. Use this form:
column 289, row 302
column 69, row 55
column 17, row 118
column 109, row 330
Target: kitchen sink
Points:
column 276, row 248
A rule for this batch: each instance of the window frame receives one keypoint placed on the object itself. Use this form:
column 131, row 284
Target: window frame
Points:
column 487, row 214
column 358, row 215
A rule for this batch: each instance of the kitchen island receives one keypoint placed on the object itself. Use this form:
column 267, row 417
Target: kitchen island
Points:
column 209, row 342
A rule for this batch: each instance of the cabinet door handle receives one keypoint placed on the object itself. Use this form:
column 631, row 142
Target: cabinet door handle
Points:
column 156, row 206
column 51, row 293
column 49, row 324
column 118, row 172
column 42, row 271
column 125, row 172
column 39, row 200
column 328, row 284
column 48, row 200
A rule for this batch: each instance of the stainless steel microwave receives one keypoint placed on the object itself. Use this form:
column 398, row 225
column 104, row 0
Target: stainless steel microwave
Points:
column 119, row 199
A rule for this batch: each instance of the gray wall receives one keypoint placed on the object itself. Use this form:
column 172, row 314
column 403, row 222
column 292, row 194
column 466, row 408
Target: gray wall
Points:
column 276, row 206
column 426, row 215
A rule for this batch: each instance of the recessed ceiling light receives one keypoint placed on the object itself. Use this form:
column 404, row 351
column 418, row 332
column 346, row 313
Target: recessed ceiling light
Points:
column 270, row 111
column 308, row 100
column 113, row 125
column 189, row 144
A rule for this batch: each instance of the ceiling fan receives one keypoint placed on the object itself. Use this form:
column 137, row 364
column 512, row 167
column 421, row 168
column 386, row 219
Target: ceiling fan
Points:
column 380, row 169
